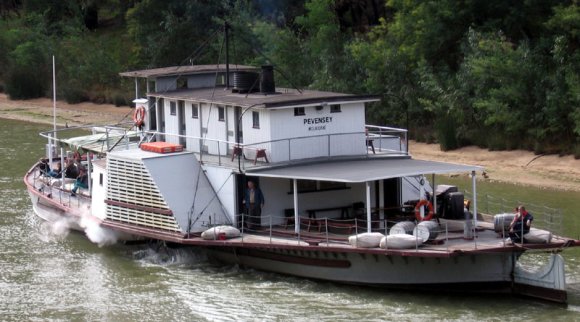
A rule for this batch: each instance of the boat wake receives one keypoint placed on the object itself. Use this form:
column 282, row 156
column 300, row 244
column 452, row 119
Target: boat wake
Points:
column 97, row 234
column 57, row 230
column 162, row 255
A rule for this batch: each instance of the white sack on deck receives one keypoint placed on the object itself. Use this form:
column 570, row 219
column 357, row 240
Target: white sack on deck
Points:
column 365, row 240
column 400, row 241
column 220, row 232
column 538, row 236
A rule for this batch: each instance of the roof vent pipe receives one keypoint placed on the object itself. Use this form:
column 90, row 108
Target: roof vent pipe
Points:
column 267, row 85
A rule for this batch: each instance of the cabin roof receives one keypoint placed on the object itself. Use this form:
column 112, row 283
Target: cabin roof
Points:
column 185, row 70
column 283, row 98
column 362, row 170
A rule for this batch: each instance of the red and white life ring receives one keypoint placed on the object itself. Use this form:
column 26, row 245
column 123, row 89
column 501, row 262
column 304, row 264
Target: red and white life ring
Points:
column 420, row 204
column 139, row 116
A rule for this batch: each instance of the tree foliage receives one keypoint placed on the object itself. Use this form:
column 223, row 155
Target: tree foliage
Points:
column 499, row 74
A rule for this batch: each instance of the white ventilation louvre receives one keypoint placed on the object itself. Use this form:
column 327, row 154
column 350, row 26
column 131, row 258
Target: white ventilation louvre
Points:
column 128, row 181
column 143, row 218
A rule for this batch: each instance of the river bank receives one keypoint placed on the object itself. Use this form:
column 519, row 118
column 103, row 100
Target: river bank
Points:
column 518, row 167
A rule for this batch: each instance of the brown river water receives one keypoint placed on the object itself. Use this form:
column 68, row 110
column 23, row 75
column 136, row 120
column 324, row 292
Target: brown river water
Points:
column 47, row 275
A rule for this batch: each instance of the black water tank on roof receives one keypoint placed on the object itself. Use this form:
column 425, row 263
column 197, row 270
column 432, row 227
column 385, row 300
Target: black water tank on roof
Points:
column 267, row 84
column 245, row 82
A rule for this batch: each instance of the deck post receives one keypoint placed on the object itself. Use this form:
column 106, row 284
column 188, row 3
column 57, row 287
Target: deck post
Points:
column 296, row 216
column 433, row 194
column 474, row 194
column 136, row 88
column 368, row 190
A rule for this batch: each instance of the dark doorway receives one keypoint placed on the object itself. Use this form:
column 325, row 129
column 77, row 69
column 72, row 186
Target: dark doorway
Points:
column 392, row 192
column 242, row 184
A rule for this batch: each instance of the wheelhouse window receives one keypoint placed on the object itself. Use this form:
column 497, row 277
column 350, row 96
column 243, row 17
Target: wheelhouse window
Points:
column 298, row 111
column 181, row 82
column 335, row 108
column 194, row 111
column 172, row 108
column 221, row 113
column 256, row 119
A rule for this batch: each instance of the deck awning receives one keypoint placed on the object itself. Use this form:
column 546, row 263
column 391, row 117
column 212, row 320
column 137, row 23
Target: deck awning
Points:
column 98, row 142
column 365, row 170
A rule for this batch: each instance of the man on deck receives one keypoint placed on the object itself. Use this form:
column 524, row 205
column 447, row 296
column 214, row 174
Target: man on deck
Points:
column 253, row 201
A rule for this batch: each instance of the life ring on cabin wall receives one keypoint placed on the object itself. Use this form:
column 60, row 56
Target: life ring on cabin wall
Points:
column 139, row 116
column 420, row 204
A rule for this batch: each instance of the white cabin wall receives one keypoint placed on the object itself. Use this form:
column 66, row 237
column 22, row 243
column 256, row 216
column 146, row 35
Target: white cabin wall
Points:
column 285, row 125
column 410, row 189
column 278, row 197
column 164, row 84
column 201, row 81
column 216, row 130
column 252, row 135
column 99, row 192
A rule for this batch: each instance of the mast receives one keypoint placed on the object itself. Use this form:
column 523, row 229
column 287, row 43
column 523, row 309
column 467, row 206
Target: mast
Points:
column 226, row 35
column 53, row 98
column 52, row 139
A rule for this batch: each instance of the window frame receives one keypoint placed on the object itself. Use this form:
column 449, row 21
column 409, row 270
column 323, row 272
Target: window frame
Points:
column 172, row 108
column 194, row 107
column 299, row 111
column 221, row 113
column 335, row 108
column 255, row 119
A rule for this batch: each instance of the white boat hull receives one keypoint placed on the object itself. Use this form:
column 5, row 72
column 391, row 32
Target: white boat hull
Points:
column 372, row 269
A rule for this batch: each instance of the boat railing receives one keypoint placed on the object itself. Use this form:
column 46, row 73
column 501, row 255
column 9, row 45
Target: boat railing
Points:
column 375, row 140
column 334, row 231
column 547, row 218
column 387, row 139
column 55, row 189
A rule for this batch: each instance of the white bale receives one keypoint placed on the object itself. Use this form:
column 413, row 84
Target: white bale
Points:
column 538, row 236
column 400, row 241
column 426, row 230
column 403, row 227
column 220, row 232
column 365, row 240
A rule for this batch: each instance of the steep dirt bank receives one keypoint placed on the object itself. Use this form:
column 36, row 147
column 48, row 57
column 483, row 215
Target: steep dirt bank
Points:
column 40, row 111
column 520, row 167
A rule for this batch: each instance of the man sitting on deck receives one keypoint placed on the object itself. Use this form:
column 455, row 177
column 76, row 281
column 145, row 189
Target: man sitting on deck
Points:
column 81, row 182
column 520, row 225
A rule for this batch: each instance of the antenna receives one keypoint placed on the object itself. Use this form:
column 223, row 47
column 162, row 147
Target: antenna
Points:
column 226, row 35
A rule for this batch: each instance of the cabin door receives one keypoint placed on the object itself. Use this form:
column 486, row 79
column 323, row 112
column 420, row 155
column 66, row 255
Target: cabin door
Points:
column 231, row 125
column 181, row 122
column 152, row 115
column 161, row 118
column 238, row 126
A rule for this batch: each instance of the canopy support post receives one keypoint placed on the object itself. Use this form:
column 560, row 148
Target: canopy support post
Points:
column 368, row 191
column 136, row 88
column 296, row 216
column 433, row 194
column 474, row 194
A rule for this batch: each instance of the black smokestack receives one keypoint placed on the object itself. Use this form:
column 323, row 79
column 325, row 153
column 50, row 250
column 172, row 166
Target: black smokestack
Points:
column 267, row 85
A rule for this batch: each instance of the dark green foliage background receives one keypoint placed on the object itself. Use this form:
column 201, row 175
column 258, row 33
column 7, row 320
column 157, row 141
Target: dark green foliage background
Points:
column 494, row 73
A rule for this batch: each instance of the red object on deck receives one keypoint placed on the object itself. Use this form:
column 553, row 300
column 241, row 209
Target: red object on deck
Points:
column 161, row 147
